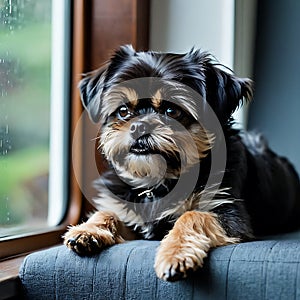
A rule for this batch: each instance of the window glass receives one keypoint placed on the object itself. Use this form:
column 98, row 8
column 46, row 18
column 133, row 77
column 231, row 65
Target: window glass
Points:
column 25, row 101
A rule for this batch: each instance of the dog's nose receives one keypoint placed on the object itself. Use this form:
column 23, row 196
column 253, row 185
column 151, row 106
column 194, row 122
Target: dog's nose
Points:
column 137, row 129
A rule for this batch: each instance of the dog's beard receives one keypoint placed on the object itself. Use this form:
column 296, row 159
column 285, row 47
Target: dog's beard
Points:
column 165, row 152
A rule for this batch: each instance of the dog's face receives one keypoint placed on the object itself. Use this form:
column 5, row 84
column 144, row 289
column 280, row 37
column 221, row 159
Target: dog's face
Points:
column 151, row 121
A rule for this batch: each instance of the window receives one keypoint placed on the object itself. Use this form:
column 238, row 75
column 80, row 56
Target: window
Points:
column 34, row 81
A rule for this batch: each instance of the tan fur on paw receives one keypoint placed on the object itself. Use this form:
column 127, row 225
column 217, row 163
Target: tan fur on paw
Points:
column 187, row 244
column 176, row 257
column 100, row 231
column 87, row 239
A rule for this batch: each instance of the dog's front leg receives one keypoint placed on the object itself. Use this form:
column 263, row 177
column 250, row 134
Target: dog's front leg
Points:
column 187, row 244
column 102, row 229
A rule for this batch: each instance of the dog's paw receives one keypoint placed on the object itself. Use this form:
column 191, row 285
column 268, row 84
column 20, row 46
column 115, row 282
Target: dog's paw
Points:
column 176, row 259
column 88, row 239
column 172, row 269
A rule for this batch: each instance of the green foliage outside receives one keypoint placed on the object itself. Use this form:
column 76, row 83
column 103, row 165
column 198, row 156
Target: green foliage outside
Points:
column 25, row 59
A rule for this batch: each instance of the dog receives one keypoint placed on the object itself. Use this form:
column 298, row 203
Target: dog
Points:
column 178, row 169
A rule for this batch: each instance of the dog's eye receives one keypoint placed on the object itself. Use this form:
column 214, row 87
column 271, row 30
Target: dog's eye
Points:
column 123, row 111
column 173, row 112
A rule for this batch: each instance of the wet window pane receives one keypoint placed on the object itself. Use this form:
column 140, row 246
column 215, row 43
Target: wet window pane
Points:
column 25, row 61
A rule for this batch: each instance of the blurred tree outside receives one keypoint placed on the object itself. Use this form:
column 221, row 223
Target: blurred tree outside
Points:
column 25, row 62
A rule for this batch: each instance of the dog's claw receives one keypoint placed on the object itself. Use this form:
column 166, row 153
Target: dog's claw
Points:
column 71, row 242
column 173, row 275
column 84, row 244
column 88, row 238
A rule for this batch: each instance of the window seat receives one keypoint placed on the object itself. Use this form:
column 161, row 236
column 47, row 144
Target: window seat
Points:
column 267, row 269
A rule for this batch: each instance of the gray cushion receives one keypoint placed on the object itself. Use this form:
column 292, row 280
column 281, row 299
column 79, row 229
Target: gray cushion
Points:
column 267, row 269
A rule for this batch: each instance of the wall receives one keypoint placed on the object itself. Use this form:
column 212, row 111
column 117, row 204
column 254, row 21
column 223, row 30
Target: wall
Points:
column 178, row 25
column 276, row 107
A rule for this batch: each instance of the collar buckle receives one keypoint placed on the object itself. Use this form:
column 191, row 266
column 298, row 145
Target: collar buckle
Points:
column 149, row 193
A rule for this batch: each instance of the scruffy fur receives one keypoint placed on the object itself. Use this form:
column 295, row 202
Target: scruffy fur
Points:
column 146, row 145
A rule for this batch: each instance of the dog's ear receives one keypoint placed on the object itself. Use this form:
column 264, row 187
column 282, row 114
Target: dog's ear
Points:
column 225, row 92
column 220, row 87
column 91, row 88
column 120, row 56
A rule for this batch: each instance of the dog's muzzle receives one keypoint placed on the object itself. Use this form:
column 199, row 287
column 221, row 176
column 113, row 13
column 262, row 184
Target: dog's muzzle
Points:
column 140, row 132
column 141, row 146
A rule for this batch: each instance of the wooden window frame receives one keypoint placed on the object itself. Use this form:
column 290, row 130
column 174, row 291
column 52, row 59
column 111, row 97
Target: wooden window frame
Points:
column 98, row 28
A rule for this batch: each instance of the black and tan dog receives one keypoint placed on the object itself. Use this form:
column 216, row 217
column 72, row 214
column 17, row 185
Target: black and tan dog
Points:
column 178, row 171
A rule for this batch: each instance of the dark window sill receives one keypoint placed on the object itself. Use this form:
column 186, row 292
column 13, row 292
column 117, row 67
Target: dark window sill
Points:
column 10, row 285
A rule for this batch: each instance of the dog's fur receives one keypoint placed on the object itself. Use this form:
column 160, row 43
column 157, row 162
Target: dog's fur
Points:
column 259, row 193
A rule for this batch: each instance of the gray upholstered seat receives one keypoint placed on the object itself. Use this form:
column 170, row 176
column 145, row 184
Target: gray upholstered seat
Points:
column 268, row 269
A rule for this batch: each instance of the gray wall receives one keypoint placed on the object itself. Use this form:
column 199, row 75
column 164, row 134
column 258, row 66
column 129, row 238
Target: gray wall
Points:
column 177, row 26
column 276, row 107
